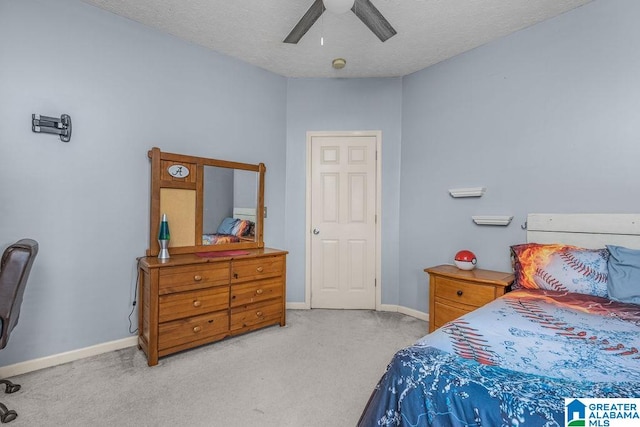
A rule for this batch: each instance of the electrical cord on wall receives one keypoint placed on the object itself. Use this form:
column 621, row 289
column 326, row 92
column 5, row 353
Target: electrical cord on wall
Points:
column 135, row 299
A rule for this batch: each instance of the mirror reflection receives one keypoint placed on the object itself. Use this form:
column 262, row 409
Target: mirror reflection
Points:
column 229, row 205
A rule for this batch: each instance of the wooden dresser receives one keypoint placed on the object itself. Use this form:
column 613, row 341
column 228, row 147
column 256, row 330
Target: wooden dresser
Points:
column 454, row 292
column 188, row 300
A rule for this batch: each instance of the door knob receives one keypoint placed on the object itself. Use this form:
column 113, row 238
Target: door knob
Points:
column 316, row 231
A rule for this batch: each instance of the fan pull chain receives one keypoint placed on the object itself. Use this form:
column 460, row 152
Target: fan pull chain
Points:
column 322, row 30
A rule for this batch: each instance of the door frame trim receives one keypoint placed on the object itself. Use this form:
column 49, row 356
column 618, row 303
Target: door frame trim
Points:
column 377, row 134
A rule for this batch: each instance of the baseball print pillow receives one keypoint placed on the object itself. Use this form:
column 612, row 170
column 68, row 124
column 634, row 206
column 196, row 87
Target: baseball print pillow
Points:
column 561, row 268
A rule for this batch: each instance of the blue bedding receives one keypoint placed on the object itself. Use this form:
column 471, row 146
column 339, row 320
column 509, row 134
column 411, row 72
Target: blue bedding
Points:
column 512, row 363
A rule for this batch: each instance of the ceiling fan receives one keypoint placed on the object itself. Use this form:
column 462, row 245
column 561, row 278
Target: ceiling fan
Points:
column 363, row 9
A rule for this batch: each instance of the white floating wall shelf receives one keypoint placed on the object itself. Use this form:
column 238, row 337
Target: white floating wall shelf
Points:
column 467, row 192
column 492, row 219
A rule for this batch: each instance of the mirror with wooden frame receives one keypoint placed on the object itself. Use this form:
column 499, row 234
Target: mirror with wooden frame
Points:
column 211, row 204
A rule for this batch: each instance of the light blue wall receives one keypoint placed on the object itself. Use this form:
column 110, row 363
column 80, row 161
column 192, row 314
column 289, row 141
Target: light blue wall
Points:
column 127, row 88
column 342, row 105
column 548, row 119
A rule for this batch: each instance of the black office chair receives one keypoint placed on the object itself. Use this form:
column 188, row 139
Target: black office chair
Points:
column 15, row 267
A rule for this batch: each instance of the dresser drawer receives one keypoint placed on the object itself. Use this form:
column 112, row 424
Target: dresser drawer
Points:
column 247, row 293
column 178, row 279
column 244, row 270
column 192, row 303
column 178, row 332
column 461, row 292
column 253, row 314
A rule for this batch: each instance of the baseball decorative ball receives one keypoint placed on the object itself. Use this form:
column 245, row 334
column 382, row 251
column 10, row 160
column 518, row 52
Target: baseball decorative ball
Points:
column 465, row 260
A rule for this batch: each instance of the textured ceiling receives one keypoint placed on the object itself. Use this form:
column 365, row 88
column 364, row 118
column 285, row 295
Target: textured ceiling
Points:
column 429, row 31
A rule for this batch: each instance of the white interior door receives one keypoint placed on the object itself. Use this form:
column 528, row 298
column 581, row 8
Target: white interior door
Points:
column 343, row 221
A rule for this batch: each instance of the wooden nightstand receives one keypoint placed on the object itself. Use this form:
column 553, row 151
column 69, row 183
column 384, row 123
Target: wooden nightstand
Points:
column 454, row 292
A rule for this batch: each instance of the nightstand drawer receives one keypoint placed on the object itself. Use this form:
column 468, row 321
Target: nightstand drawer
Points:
column 454, row 292
column 187, row 304
column 446, row 313
column 472, row 294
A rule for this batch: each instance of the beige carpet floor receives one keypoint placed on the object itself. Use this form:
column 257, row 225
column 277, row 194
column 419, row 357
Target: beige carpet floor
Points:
column 319, row 370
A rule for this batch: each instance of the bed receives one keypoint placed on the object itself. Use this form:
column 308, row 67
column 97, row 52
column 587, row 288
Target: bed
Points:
column 240, row 227
column 570, row 329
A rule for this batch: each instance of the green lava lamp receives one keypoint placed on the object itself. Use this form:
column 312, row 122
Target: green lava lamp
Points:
column 163, row 238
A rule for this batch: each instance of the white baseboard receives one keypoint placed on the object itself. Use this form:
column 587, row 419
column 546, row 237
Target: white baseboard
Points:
column 382, row 307
column 414, row 313
column 405, row 310
column 69, row 356
column 297, row 306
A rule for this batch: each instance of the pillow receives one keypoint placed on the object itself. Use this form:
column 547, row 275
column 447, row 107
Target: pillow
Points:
column 241, row 228
column 624, row 274
column 226, row 226
column 561, row 268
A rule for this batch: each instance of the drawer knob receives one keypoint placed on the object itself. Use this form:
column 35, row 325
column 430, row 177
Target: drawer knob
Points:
column 259, row 269
column 196, row 329
column 259, row 292
column 197, row 278
column 258, row 314
column 459, row 293
column 197, row 303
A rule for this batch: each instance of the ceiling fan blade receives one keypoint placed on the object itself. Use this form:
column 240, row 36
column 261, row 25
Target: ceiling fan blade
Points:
column 372, row 18
column 305, row 22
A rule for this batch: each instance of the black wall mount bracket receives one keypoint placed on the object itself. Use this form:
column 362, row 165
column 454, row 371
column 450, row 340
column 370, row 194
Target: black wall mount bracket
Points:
column 58, row 126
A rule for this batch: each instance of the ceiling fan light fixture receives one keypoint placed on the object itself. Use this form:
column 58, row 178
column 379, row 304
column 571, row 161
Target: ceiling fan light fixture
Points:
column 338, row 6
column 363, row 9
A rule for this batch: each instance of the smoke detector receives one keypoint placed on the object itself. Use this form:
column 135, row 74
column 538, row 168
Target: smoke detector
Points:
column 338, row 63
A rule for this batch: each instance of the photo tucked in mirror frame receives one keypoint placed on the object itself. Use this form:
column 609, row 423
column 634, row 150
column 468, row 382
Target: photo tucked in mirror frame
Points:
column 210, row 204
